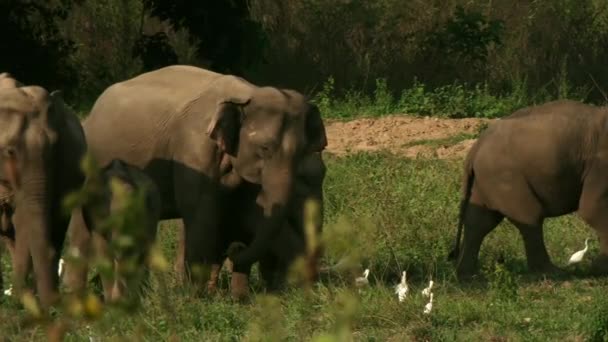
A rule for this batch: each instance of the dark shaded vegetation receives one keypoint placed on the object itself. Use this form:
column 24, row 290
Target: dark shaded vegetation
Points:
column 537, row 49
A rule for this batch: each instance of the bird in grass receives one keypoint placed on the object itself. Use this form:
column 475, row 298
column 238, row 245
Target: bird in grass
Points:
column 578, row 256
column 9, row 291
column 402, row 289
column 429, row 306
column 60, row 270
column 427, row 290
column 362, row 281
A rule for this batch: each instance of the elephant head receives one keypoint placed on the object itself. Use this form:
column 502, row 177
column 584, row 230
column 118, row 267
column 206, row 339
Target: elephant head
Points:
column 265, row 131
column 32, row 137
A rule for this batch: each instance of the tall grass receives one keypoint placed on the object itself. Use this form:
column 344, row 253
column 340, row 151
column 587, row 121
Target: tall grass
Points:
column 456, row 100
column 387, row 214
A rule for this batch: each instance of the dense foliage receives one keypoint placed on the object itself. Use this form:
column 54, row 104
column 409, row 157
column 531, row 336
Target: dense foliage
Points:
column 554, row 47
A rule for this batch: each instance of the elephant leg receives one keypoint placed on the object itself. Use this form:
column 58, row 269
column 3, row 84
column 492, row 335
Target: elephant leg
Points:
column 201, row 241
column 239, row 281
column 180, row 257
column 534, row 244
column 21, row 260
column 593, row 208
column 478, row 222
column 45, row 259
column 79, row 236
column 213, row 278
column 100, row 246
column 268, row 270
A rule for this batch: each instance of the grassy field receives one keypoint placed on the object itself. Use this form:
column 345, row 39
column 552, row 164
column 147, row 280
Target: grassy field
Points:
column 389, row 214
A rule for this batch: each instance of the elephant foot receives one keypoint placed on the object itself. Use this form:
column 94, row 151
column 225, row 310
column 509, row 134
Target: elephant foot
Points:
column 213, row 277
column 466, row 272
column 239, row 286
column 599, row 266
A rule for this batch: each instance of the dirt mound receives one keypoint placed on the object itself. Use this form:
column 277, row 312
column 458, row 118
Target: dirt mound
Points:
column 404, row 135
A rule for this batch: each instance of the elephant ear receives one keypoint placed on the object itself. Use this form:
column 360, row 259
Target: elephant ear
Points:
column 315, row 130
column 225, row 123
column 8, row 81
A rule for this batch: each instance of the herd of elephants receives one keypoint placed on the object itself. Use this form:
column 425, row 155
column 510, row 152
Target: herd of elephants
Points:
column 237, row 162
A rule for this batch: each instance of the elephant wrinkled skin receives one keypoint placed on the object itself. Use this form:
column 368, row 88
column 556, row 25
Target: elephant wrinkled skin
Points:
column 179, row 122
column 539, row 162
column 42, row 143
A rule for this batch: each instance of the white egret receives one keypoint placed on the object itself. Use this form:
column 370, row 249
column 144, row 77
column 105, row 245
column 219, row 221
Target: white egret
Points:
column 402, row 289
column 362, row 281
column 578, row 256
column 429, row 306
column 427, row 291
column 60, row 270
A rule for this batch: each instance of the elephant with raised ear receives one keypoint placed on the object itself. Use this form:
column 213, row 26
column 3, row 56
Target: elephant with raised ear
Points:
column 179, row 122
column 541, row 161
column 90, row 236
column 42, row 143
column 241, row 220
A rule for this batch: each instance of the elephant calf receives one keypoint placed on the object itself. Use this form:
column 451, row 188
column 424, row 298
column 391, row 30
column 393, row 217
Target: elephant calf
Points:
column 541, row 161
column 85, row 229
column 242, row 217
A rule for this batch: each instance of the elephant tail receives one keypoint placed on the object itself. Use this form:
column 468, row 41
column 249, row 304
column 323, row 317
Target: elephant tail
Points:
column 469, row 178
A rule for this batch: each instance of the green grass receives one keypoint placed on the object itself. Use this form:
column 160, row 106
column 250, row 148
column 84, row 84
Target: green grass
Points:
column 390, row 214
column 456, row 100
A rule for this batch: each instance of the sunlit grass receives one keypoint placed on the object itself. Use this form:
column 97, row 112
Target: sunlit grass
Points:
column 388, row 214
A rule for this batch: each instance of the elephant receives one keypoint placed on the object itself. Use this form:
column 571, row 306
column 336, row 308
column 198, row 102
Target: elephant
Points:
column 178, row 124
column 89, row 233
column 7, row 230
column 539, row 162
column 285, row 247
column 42, row 143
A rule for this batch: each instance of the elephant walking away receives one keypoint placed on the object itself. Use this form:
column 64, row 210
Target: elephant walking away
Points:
column 179, row 122
column 85, row 232
column 42, row 143
column 541, row 161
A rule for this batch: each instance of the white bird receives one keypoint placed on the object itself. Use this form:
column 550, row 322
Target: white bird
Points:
column 9, row 291
column 402, row 289
column 427, row 291
column 578, row 256
column 429, row 306
column 362, row 281
column 60, row 270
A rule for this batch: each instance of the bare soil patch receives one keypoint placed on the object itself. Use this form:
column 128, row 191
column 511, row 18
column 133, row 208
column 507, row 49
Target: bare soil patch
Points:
column 404, row 136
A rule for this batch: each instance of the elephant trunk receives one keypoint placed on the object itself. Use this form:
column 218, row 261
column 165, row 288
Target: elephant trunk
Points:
column 34, row 218
column 277, row 188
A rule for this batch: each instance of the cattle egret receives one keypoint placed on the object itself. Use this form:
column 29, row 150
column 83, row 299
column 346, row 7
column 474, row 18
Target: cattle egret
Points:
column 429, row 306
column 401, row 289
column 578, row 256
column 427, row 291
column 362, row 281
column 9, row 291
column 60, row 270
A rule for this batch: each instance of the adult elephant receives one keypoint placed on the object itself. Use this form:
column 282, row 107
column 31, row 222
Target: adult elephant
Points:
column 178, row 123
column 242, row 218
column 42, row 144
column 541, row 161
